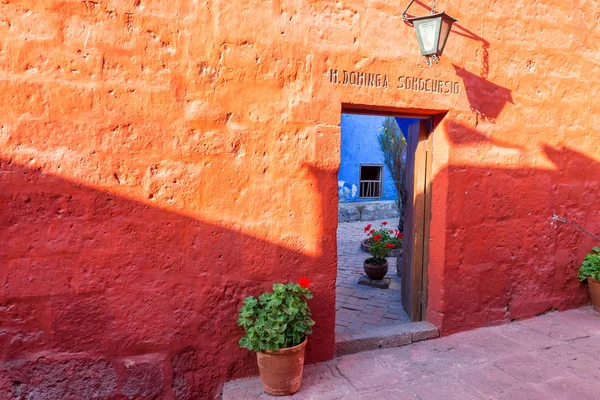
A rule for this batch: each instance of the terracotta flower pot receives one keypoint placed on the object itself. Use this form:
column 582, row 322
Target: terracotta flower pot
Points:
column 594, row 286
column 375, row 272
column 281, row 370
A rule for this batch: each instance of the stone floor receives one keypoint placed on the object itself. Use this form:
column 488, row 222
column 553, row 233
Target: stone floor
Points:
column 360, row 308
column 555, row 356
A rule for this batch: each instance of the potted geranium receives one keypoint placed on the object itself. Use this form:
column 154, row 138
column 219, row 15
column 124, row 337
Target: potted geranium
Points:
column 393, row 236
column 277, row 325
column 590, row 270
column 377, row 266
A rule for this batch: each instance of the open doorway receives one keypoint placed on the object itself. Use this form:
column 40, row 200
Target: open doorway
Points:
column 370, row 196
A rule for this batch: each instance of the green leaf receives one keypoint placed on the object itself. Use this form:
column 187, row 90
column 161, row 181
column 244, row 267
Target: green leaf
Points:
column 250, row 301
column 279, row 288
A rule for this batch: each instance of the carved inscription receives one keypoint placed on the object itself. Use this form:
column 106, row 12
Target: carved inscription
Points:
column 428, row 85
column 369, row 79
column 358, row 78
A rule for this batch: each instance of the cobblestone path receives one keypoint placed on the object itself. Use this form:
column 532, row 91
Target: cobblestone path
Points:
column 362, row 307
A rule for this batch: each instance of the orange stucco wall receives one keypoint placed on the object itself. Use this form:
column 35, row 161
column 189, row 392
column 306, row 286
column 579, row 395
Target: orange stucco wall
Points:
column 161, row 160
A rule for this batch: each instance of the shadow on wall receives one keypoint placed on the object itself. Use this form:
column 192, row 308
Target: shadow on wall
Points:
column 504, row 258
column 101, row 296
column 486, row 99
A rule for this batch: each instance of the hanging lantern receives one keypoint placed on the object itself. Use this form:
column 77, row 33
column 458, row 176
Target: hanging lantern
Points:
column 432, row 32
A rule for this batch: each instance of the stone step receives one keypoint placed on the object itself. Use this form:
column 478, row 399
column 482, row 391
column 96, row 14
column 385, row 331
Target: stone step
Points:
column 384, row 337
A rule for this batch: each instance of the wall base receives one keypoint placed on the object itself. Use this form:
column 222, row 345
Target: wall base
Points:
column 367, row 211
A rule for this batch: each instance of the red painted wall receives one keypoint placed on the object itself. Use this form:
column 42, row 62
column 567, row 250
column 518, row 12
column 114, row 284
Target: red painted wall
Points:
column 159, row 161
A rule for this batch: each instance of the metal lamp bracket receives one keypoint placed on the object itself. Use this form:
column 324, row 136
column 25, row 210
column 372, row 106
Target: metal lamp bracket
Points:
column 405, row 17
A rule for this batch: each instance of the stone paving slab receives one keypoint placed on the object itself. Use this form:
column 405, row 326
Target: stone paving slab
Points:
column 359, row 307
column 513, row 361
column 379, row 283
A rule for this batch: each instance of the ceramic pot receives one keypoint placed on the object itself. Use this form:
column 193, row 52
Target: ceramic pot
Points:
column 594, row 286
column 375, row 272
column 281, row 370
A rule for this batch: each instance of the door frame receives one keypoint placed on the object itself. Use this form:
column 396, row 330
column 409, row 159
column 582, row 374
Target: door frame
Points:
column 420, row 199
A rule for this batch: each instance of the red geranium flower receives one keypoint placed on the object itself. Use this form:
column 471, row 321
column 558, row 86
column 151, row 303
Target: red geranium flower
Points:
column 367, row 228
column 400, row 235
column 377, row 238
column 384, row 223
column 389, row 245
column 304, row 282
column 372, row 231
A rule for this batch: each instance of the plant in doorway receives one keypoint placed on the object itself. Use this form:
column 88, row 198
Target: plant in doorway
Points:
column 377, row 266
column 590, row 270
column 277, row 325
column 393, row 236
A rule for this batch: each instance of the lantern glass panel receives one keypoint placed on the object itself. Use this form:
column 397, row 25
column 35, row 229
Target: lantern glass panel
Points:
column 445, row 30
column 427, row 34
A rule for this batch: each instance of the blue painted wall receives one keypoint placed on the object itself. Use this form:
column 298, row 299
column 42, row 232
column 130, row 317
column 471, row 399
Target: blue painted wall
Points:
column 359, row 146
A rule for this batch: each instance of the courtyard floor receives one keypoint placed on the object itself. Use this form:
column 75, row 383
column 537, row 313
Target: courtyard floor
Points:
column 361, row 308
column 554, row 356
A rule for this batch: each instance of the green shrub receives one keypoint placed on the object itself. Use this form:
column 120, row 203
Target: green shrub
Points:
column 590, row 268
column 393, row 146
column 276, row 320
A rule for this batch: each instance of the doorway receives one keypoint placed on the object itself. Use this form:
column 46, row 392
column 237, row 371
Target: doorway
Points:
column 367, row 194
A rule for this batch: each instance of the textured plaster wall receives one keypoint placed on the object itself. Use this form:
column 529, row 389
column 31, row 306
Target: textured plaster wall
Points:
column 161, row 160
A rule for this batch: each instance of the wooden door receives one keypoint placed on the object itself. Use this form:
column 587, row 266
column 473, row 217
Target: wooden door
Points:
column 416, row 220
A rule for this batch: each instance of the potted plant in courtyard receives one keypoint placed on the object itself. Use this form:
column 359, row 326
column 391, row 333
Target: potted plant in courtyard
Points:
column 277, row 325
column 393, row 236
column 590, row 270
column 377, row 266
